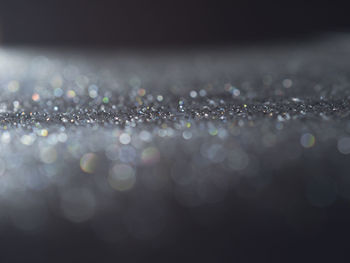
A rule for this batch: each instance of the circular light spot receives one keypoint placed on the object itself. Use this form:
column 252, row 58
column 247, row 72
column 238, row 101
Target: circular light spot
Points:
column 193, row 94
column 88, row 162
column 2, row 167
column 150, row 155
column 62, row 137
column 71, row 94
column 35, row 97
column 27, row 139
column 93, row 91
column 237, row 160
column 48, row 154
column 6, row 138
column 58, row 92
column 141, row 92
column 287, row 83
column 56, row 81
column 187, row 135
column 344, row 145
column 78, row 205
column 145, row 136
column 202, row 93
column 13, row 86
column 122, row 177
column 124, row 138
column 307, row 140
column 43, row 132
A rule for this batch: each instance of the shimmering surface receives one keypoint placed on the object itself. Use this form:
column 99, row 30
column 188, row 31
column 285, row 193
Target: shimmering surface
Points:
column 120, row 140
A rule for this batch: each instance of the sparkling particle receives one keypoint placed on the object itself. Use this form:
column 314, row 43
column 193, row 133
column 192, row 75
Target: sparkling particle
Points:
column 194, row 141
column 307, row 140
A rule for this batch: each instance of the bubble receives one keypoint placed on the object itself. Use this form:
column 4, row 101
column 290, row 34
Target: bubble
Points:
column 307, row 140
column 88, row 162
column 122, row 177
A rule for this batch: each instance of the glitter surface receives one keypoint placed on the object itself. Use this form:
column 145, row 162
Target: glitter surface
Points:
column 134, row 136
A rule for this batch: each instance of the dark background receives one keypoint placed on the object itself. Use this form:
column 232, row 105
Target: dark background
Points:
column 157, row 23
column 165, row 22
